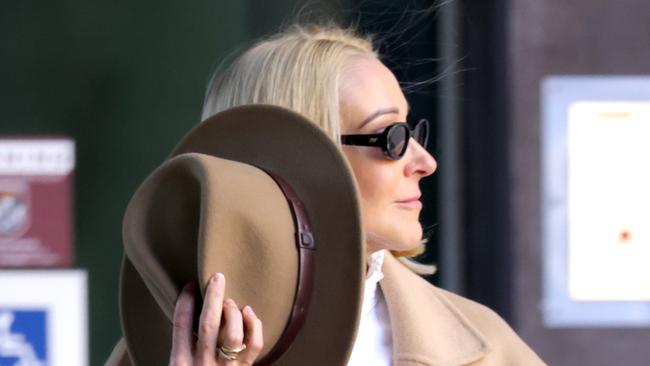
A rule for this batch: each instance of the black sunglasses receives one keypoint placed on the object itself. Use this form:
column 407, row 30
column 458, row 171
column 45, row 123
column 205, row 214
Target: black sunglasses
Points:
column 394, row 140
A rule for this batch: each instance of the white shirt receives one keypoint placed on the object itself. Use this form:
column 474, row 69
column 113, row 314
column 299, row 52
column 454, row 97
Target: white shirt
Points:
column 374, row 343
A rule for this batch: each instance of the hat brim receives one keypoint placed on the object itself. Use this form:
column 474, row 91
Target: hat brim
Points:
column 285, row 143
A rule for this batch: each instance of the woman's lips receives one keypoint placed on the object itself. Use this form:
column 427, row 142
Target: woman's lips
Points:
column 413, row 202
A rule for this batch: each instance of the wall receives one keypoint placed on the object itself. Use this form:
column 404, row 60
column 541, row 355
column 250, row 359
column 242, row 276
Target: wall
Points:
column 563, row 37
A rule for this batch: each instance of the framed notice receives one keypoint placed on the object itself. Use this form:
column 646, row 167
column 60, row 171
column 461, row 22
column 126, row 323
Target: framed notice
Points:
column 43, row 318
column 596, row 201
column 36, row 200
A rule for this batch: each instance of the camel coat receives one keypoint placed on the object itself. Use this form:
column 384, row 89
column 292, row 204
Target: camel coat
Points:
column 433, row 327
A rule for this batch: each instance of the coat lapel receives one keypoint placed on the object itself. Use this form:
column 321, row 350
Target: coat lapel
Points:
column 427, row 329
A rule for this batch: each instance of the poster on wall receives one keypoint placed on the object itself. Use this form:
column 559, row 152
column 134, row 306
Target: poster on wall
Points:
column 36, row 202
column 596, row 201
column 43, row 318
column 609, row 201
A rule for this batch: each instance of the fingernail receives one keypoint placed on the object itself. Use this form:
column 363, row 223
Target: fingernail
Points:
column 248, row 310
column 218, row 277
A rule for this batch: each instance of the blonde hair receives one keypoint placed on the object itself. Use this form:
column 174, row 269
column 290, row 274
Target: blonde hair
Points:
column 298, row 69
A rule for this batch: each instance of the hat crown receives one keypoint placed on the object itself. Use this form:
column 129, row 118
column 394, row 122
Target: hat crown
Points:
column 203, row 215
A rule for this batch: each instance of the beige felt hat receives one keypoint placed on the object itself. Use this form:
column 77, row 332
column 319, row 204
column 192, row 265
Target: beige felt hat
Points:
column 222, row 203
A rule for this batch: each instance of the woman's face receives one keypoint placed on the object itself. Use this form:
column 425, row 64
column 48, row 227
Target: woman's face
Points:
column 371, row 100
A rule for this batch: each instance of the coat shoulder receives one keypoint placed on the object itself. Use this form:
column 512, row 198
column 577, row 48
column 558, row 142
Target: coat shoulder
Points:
column 484, row 318
column 506, row 347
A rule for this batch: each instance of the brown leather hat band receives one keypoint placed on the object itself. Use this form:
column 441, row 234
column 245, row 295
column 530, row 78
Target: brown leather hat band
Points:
column 306, row 246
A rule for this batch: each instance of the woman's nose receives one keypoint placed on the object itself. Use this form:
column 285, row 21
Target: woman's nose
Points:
column 420, row 161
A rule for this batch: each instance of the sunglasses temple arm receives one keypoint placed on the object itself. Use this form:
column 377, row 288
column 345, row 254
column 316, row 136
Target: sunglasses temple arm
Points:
column 361, row 140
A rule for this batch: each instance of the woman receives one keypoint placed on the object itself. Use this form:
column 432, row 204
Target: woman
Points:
column 334, row 77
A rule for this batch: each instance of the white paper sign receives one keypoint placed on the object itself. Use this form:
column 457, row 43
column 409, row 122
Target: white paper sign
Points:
column 43, row 318
column 609, row 201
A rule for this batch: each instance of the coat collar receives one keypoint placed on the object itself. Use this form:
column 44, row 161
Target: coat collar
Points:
column 427, row 329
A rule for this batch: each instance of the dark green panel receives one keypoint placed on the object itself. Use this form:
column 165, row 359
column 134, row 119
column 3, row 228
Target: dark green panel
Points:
column 125, row 80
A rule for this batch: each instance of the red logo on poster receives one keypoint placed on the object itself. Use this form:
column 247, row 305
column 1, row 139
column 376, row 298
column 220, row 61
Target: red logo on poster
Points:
column 14, row 209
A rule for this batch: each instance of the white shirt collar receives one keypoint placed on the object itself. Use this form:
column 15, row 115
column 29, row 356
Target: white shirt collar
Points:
column 374, row 343
column 373, row 276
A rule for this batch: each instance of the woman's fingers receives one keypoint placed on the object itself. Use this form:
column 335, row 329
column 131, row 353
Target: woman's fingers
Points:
column 210, row 320
column 233, row 330
column 253, row 339
column 238, row 329
column 181, row 352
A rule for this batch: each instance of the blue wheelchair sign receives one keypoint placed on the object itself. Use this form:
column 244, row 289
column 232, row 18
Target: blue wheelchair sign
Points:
column 23, row 337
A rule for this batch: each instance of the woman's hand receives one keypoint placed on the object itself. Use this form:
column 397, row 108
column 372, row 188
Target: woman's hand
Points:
column 240, row 329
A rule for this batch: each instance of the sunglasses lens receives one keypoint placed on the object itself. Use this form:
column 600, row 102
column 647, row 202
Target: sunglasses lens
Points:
column 397, row 140
column 421, row 132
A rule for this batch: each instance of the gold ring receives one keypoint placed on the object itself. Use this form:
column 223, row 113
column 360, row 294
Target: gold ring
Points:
column 226, row 349
column 231, row 353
